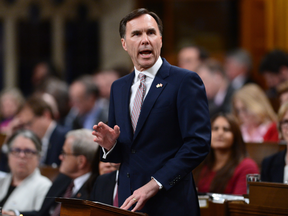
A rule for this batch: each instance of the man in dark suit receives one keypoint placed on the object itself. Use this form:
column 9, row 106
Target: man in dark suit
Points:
column 104, row 188
column 171, row 137
column 88, row 107
column 37, row 115
column 77, row 157
column 272, row 168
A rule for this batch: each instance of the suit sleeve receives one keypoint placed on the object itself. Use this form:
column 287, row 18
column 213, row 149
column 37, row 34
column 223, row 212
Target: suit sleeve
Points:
column 194, row 123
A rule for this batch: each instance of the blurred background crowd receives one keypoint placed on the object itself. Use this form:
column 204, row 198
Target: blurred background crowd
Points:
column 59, row 58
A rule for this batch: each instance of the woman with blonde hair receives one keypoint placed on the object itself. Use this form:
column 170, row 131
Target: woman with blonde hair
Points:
column 255, row 114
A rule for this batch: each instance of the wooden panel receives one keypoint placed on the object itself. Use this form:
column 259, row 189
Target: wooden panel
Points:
column 49, row 172
column 268, row 194
column 242, row 209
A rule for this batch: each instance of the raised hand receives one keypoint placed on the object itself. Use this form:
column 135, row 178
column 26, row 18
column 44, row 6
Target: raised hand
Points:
column 106, row 136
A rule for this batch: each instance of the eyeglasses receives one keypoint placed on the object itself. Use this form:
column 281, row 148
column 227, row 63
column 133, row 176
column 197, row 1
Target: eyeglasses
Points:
column 64, row 154
column 284, row 124
column 27, row 152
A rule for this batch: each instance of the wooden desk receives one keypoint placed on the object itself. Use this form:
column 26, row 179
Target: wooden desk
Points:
column 265, row 199
column 76, row 207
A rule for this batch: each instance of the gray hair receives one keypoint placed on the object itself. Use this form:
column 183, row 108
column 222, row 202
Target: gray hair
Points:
column 242, row 56
column 29, row 135
column 83, row 143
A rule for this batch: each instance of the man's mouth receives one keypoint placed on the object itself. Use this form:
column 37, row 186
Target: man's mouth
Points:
column 145, row 52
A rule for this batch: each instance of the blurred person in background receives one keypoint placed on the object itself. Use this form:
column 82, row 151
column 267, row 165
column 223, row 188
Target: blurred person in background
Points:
column 87, row 107
column 37, row 115
column 237, row 66
column 104, row 80
column 24, row 188
column 274, row 68
column 190, row 57
column 275, row 167
column 78, row 171
column 218, row 89
column 225, row 168
column 255, row 114
column 11, row 102
column 282, row 90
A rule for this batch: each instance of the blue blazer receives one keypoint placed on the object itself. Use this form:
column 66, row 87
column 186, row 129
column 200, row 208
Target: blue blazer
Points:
column 172, row 138
column 272, row 168
column 56, row 142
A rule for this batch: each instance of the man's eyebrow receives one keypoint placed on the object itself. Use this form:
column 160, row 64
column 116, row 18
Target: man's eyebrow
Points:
column 135, row 31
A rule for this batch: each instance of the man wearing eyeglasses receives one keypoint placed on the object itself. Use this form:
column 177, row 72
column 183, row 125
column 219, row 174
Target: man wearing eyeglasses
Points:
column 77, row 158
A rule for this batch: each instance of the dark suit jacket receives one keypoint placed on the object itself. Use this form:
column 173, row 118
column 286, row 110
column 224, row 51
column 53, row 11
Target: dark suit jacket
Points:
column 57, row 189
column 272, row 169
column 225, row 106
column 103, row 188
column 56, row 143
column 172, row 138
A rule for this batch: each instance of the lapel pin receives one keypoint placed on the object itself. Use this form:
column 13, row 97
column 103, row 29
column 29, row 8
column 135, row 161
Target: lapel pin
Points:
column 159, row 85
column 78, row 195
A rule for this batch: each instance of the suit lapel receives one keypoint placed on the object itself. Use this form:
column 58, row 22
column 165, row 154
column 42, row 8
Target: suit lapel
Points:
column 157, row 86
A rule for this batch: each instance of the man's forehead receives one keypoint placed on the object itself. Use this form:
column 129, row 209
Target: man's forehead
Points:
column 144, row 21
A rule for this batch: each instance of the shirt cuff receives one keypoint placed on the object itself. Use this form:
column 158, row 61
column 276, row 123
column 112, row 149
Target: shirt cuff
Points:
column 105, row 154
column 159, row 184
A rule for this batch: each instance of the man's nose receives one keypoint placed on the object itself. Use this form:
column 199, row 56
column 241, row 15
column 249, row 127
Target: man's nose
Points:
column 145, row 39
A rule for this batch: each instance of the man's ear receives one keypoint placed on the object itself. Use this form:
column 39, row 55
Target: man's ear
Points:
column 123, row 44
column 81, row 161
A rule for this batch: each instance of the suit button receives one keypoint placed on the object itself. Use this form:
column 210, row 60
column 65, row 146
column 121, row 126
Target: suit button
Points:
column 128, row 175
column 133, row 151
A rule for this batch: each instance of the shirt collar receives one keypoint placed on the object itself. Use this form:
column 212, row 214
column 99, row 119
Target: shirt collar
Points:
column 49, row 130
column 150, row 72
column 79, row 182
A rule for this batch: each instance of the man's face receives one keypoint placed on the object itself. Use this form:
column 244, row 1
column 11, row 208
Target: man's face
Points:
column 142, row 41
column 31, row 122
column 79, row 99
column 69, row 160
column 188, row 58
column 272, row 79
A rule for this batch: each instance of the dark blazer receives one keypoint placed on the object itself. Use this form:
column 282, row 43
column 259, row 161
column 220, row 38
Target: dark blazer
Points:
column 103, row 189
column 272, row 168
column 57, row 189
column 172, row 138
column 56, row 143
column 225, row 106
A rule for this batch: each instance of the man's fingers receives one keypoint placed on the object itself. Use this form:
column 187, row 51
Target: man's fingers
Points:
column 138, row 206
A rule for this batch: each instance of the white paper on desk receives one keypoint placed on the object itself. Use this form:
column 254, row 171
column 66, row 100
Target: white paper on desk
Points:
column 221, row 198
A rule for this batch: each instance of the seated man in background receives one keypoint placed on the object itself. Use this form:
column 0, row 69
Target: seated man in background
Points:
column 37, row 116
column 88, row 108
column 76, row 172
column 218, row 88
column 190, row 57
column 237, row 66
column 105, row 189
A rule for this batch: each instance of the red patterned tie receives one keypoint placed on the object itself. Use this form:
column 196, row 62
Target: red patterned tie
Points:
column 115, row 201
column 138, row 101
column 67, row 194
